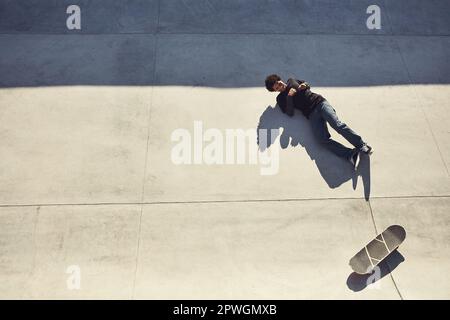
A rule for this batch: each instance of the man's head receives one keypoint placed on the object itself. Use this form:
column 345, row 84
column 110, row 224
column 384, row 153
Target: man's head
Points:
column 274, row 83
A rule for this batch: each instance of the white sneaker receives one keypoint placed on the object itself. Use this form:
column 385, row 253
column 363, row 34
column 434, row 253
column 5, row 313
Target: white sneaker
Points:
column 366, row 149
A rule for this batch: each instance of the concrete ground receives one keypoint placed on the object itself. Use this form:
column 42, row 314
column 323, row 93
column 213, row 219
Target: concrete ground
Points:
column 93, row 205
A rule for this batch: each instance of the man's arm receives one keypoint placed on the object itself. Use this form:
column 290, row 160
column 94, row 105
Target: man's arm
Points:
column 305, row 85
column 290, row 106
column 298, row 85
column 286, row 105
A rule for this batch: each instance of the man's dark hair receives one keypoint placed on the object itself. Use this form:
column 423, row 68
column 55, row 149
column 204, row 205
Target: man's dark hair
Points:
column 271, row 80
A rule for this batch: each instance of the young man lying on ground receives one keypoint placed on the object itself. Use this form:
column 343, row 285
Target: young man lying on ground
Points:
column 296, row 94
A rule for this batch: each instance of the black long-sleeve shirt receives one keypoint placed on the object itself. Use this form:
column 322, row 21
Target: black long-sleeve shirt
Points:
column 304, row 100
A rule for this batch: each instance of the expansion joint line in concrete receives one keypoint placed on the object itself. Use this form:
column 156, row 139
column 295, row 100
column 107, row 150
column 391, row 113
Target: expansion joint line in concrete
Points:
column 155, row 50
column 210, row 201
column 376, row 233
column 157, row 33
column 421, row 105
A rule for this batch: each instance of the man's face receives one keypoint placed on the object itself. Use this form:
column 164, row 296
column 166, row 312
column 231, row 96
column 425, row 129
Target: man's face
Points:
column 279, row 86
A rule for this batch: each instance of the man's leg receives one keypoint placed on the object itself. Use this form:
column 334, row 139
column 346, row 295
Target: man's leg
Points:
column 329, row 114
column 320, row 131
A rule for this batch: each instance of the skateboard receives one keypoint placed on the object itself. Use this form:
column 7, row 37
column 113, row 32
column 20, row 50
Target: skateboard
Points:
column 378, row 249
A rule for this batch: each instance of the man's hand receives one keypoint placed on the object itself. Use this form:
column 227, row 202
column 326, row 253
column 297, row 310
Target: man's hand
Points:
column 292, row 92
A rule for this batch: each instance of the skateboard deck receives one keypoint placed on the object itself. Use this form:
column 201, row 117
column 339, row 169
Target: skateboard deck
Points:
column 378, row 249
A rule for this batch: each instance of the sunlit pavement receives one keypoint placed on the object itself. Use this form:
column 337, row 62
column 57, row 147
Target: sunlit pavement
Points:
column 93, row 203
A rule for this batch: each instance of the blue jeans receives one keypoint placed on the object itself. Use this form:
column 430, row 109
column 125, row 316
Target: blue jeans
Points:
column 324, row 113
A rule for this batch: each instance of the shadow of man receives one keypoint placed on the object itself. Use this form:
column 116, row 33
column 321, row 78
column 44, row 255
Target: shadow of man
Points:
column 297, row 132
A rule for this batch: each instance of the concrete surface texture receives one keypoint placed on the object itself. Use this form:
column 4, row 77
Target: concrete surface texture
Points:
column 94, row 205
